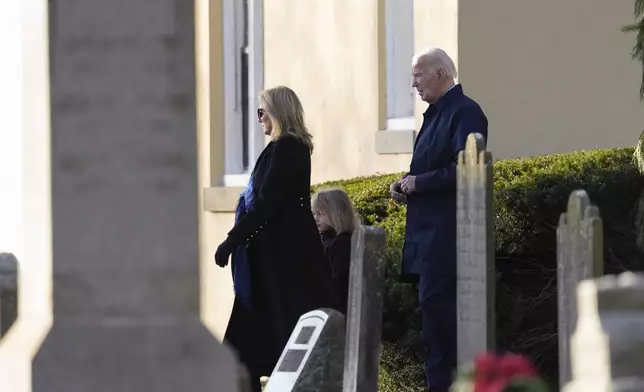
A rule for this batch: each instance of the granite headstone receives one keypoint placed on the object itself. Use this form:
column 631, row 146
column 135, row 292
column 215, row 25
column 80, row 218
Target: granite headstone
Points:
column 475, row 250
column 579, row 257
column 607, row 347
column 124, row 185
column 364, row 313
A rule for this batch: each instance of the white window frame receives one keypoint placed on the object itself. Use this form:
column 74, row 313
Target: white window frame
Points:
column 233, row 30
column 399, row 49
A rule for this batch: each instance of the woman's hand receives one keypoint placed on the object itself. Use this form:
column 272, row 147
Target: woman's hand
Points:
column 223, row 253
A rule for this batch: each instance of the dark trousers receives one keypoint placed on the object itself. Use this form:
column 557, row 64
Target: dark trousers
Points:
column 437, row 296
column 243, row 335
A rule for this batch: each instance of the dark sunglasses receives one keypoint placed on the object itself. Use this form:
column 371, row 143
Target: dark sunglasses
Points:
column 260, row 114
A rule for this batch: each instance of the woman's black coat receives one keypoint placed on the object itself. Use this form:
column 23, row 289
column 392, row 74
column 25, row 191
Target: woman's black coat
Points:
column 288, row 271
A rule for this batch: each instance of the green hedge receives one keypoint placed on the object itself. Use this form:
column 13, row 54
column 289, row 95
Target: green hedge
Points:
column 529, row 196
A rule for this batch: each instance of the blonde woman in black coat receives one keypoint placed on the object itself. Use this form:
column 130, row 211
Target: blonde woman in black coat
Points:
column 279, row 269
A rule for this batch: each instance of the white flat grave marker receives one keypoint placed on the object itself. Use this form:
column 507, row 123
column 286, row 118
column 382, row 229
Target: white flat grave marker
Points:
column 313, row 354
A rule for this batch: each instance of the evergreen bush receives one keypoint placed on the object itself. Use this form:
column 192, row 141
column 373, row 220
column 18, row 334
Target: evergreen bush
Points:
column 529, row 196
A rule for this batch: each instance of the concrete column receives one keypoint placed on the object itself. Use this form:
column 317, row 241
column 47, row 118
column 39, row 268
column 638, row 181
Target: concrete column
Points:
column 124, row 205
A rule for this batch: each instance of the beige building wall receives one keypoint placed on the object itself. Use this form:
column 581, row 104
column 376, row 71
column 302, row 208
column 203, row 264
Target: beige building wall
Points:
column 329, row 53
column 552, row 76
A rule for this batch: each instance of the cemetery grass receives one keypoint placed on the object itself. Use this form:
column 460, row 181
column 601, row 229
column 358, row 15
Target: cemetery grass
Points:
column 529, row 196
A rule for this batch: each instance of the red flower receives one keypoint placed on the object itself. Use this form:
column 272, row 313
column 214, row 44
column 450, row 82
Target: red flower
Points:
column 493, row 373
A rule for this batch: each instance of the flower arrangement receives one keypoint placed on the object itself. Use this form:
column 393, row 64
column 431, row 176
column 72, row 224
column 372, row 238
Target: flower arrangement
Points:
column 499, row 373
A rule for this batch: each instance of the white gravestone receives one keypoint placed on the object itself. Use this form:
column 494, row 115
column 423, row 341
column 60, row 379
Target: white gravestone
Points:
column 580, row 256
column 313, row 357
column 607, row 348
column 475, row 250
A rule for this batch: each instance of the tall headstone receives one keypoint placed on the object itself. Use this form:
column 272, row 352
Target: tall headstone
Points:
column 312, row 360
column 608, row 344
column 364, row 313
column 475, row 250
column 8, row 291
column 124, row 207
column 580, row 256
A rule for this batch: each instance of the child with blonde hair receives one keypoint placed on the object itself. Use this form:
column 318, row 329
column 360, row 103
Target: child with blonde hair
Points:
column 336, row 218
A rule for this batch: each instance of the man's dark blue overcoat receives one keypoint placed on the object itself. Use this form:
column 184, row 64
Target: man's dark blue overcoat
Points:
column 430, row 237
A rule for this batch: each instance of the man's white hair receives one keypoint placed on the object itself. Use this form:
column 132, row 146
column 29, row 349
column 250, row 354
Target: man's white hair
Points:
column 435, row 59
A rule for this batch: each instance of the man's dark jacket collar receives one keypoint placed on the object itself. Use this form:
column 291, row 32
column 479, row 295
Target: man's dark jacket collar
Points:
column 456, row 91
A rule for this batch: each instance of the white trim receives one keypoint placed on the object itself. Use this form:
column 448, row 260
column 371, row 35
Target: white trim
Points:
column 401, row 124
column 236, row 180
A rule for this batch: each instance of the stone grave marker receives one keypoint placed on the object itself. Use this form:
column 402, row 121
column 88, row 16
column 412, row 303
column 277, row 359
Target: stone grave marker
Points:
column 364, row 313
column 8, row 291
column 580, row 256
column 124, row 204
column 475, row 250
column 607, row 347
column 312, row 360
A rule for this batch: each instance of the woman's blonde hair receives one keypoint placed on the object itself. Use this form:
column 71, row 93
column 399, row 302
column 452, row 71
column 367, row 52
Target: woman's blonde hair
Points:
column 338, row 207
column 286, row 113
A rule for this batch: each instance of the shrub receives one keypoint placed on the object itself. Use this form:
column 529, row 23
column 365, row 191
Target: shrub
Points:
column 529, row 196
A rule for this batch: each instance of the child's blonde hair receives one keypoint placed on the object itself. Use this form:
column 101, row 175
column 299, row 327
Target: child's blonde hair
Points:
column 338, row 207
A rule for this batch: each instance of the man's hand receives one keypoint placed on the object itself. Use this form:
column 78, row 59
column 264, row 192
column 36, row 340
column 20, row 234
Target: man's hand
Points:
column 396, row 193
column 223, row 253
column 408, row 185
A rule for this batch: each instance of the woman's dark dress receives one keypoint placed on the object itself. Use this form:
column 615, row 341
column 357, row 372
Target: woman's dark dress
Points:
column 337, row 248
column 289, row 275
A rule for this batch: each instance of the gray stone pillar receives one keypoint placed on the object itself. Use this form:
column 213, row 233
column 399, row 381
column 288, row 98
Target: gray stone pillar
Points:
column 124, row 198
column 364, row 313
column 580, row 255
column 475, row 250
column 607, row 348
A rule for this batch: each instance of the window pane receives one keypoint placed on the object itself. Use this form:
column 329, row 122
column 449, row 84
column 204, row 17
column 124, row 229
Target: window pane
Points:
column 244, row 88
column 399, row 27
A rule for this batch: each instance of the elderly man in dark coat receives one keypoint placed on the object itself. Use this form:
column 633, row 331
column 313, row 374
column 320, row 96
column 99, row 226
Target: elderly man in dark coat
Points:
column 429, row 189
